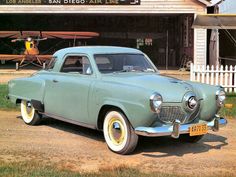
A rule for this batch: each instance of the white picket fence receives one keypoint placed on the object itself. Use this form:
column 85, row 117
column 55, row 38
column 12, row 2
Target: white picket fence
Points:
column 219, row 75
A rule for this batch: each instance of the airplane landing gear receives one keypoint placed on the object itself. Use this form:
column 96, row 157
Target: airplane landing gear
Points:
column 17, row 66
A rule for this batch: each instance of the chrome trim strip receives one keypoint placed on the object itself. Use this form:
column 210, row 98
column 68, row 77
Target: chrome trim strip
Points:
column 167, row 130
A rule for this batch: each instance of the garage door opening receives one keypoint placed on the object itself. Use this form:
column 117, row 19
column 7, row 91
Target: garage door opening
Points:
column 166, row 38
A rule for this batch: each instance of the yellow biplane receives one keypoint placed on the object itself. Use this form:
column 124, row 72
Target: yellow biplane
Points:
column 31, row 39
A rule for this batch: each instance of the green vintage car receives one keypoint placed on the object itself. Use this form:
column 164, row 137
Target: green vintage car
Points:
column 119, row 91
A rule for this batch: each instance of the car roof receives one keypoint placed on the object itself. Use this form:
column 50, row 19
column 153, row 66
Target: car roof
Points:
column 96, row 50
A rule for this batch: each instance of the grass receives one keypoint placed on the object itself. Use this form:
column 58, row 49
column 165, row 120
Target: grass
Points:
column 4, row 103
column 229, row 112
column 37, row 169
column 34, row 169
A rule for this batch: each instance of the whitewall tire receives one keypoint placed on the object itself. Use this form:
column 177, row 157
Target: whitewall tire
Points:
column 29, row 114
column 119, row 134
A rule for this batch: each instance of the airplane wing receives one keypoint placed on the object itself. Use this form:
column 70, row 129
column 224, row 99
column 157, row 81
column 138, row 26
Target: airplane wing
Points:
column 44, row 57
column 9, row 57
column 19, row 34
column 9, row 34
column 48, row 34
column 69, row 34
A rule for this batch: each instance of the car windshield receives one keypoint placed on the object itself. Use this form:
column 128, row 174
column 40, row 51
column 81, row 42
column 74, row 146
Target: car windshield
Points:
column 112, row 63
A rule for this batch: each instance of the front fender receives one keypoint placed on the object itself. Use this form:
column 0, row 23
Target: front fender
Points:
column 134, row 102
column 137, row 114
column 207, row 94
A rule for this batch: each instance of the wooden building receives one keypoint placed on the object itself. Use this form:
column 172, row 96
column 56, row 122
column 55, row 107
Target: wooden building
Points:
column 160, row 28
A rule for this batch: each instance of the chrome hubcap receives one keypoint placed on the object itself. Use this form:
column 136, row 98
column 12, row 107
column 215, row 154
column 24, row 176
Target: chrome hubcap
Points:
column 116, row 131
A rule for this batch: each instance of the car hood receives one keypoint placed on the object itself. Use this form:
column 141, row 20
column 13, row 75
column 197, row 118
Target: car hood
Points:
column 171, row 89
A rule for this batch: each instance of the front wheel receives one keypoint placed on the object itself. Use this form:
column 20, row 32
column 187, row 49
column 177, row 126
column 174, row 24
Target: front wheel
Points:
column 29, row 114
column 119, row 134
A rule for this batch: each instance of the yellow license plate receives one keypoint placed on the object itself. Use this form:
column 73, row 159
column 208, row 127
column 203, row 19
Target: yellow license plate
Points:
column 198, row 129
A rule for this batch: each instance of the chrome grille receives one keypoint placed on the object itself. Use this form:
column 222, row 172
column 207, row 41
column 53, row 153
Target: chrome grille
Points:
column 169, row 114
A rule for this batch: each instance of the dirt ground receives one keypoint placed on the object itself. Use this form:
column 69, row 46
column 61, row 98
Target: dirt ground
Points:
column 80, row 149
column 8, row 74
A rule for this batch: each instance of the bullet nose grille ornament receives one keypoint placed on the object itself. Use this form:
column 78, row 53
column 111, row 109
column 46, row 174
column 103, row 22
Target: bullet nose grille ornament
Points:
column 192, row 102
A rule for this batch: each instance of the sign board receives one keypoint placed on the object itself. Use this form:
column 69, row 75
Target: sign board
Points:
column 70, row 2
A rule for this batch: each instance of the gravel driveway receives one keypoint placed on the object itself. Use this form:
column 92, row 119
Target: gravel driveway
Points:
column 79, row 149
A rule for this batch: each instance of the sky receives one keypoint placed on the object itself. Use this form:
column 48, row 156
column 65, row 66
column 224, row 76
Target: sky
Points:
column 228, row 6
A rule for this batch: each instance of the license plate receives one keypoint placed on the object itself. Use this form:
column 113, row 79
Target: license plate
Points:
column 198, row 129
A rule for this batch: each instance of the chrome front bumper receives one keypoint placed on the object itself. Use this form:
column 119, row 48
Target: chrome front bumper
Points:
column 176, row 128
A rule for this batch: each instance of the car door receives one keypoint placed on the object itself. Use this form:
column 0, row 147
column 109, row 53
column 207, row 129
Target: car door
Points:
column 67, row 91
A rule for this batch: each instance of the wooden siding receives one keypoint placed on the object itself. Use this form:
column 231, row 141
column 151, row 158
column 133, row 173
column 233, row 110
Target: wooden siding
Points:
column 200, row 46
column 147, row 6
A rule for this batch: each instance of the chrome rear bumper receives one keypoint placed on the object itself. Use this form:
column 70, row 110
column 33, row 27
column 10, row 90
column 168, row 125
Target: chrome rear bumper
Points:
column 176, row 128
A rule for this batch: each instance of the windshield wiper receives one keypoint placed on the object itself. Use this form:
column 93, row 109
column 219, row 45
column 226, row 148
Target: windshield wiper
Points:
column 135, row 70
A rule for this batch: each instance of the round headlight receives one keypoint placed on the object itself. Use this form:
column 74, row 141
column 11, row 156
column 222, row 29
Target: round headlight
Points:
column 220, row 98
column 156, row 102
column 191, row 102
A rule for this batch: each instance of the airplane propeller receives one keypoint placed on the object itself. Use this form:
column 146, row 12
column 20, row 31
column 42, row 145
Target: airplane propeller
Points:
column 15, row 40
column 28, row 39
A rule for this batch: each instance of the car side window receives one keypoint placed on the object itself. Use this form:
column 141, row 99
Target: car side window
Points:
column 77, row 64
column 50, row 63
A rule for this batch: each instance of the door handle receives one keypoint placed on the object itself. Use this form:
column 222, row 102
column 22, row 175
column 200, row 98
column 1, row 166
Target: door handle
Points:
column 54, row 80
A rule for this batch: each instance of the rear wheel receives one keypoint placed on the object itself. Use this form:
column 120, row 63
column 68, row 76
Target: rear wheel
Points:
column 119, row 134
column 29, row 114
column 190, row 139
